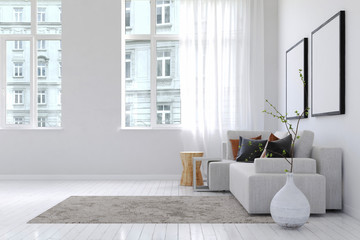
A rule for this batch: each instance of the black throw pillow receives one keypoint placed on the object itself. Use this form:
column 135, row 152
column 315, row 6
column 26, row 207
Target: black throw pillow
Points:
column 279, row 148
column 249, row 149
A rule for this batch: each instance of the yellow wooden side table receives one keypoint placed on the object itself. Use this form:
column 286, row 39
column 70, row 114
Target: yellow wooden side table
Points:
column 187, row 174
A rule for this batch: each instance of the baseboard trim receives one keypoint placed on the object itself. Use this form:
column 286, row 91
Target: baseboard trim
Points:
column 352, row 212
column 90, row 177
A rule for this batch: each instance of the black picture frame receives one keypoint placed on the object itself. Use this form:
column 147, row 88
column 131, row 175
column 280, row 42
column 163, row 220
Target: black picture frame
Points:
column 328, row 67
column 297, row 90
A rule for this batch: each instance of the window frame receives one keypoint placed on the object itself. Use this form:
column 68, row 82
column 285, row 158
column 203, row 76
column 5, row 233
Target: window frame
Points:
column 41, row 121
column 18, row 15
column 18, row 94
column 18, row 45
column 33, row 37
column 153, row 37
column 43, row 97
column 18, row 67
column 41, row 15
column 163, row 14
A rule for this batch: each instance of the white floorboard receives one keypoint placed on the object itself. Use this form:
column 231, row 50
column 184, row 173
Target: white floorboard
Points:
column 20, row 201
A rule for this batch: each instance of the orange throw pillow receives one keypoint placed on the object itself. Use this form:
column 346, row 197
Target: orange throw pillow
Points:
column 272, row 138
column 235, row 145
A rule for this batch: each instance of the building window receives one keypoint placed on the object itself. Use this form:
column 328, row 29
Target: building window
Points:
column 127, row 13
column 18, row 120
column 41, row 45
column 41, row 121
column 18, row 14
column 42, row 97
column 163, row 114
column 18, row 97
column 41, row 14
column 162, row 11
column 128, row 65
column 18, row 45
column 128, row 116
column 41, row 68
column 18, row 69
column 163, row 63
column 155, row 78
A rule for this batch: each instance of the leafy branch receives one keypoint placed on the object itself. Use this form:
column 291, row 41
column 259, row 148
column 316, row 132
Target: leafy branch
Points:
column 289, row 127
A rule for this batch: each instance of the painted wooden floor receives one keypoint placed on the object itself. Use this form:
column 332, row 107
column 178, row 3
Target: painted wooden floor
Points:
column 21, row 201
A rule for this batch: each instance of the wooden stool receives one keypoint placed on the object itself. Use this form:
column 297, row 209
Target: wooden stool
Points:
column 187, row 174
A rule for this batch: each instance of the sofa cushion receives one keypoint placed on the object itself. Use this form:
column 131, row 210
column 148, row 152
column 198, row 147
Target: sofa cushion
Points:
column 235, row 145
column 233, row 134
column 278, row 165
column 278, row 148
column 250, row 149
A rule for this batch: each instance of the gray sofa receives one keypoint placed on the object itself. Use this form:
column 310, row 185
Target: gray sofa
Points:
column 317, row 172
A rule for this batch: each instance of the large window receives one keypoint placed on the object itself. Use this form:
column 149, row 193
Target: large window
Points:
column 30, row 37
column 150, row 68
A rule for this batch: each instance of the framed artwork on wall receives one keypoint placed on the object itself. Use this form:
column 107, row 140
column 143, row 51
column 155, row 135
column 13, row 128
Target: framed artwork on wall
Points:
column 297, row 88
column 328, row 67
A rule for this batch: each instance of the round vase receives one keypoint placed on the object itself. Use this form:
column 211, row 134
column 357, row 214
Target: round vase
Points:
column 290, row 208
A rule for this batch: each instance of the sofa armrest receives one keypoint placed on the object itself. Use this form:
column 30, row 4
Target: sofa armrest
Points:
column 278, row 165
column 329, row 164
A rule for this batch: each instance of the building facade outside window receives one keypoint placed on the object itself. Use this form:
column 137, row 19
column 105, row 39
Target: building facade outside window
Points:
column 30, row 33
column 151, row 62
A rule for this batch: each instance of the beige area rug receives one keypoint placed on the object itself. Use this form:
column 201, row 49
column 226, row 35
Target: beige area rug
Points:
column 149, row 209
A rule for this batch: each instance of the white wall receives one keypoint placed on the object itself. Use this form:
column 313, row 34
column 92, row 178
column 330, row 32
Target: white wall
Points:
column 90, row 142
column 271, row 56
column 297, row 19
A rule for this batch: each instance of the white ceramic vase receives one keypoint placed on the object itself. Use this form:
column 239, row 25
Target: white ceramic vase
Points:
column 290, row 208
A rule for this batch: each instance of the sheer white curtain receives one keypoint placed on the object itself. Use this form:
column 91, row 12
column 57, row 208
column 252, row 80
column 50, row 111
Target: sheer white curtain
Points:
column 217, row 54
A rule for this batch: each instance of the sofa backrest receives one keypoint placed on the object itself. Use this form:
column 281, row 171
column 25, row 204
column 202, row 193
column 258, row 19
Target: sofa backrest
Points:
column 232, row 134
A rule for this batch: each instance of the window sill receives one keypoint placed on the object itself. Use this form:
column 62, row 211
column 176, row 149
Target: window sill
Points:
column 14, row 128
column 164, row 25
column 174, row 128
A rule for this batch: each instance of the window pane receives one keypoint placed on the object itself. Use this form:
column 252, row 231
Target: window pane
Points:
column 15, row 17
column 167, row 17
column 127, row 70
column 168, row 89
column 159, row 68
column 49, row 84
column 167, row 67
column 139, row 17
column 158, row 15
column 17, row 83
column 49, row 17
column 137, row 91
column 159, row 118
